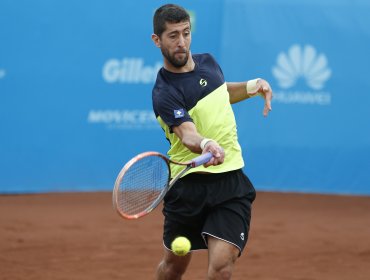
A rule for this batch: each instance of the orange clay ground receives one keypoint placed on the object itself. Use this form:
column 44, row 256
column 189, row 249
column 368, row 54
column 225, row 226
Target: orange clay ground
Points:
column 79, row 236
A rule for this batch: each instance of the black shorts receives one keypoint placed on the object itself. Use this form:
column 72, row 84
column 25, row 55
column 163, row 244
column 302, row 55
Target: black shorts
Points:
column 217, row 205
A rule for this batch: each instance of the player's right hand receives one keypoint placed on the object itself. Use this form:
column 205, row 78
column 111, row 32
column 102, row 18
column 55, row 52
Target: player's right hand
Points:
column 217, row 152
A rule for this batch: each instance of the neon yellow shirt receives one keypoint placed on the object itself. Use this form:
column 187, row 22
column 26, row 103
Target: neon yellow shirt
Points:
column 199, row 96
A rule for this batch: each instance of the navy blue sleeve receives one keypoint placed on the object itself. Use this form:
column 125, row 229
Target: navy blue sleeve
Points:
column 170, row 106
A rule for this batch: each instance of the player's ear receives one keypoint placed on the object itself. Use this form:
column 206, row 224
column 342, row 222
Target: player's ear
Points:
column 156, row 40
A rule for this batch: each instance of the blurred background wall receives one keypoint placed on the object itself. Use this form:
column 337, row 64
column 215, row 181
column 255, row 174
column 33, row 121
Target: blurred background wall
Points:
column 76, row 80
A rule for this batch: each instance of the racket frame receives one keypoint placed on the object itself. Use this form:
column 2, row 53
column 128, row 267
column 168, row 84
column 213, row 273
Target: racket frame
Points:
column 170, row 182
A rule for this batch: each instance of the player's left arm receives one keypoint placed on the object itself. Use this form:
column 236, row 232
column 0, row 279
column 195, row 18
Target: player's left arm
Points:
column 239, row 91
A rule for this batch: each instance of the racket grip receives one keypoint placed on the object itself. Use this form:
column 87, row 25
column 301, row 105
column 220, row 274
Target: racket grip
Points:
column 201, row 159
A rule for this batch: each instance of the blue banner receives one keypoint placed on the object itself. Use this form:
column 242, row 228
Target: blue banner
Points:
column 76, row 81
column 315, row 55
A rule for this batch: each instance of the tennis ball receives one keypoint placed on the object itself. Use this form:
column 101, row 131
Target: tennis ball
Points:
column 180, row 246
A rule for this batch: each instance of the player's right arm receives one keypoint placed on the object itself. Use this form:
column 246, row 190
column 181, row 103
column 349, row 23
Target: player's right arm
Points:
column 191, row 139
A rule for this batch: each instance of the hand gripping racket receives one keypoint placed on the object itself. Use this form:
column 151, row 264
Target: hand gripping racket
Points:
column 144, row 180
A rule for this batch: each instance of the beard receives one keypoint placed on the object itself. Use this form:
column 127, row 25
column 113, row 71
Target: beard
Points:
column 176, row 62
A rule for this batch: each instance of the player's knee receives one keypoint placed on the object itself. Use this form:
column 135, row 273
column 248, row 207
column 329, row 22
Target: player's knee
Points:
column 172, row 270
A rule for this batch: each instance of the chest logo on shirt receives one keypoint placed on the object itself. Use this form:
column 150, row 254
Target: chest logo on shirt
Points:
column 203, row 82
column 179, row 113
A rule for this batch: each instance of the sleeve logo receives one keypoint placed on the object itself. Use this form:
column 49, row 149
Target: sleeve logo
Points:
column 179, row 113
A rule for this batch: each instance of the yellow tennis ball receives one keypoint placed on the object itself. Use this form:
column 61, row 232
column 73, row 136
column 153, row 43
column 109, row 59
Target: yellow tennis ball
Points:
column 180, row 246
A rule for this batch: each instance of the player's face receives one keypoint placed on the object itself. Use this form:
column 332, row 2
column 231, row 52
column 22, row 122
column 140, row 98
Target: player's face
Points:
column 175, row 43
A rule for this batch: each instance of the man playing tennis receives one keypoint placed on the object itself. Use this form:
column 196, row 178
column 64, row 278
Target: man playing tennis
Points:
column 210, row 205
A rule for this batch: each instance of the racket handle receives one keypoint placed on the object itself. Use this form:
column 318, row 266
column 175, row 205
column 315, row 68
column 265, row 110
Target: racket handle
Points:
column 201, row 159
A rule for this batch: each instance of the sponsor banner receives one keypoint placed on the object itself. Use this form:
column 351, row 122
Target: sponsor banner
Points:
column 78, row 105
column 123, row 119
column 76, row 101
column 130, row 71
column 315, row 130
column 301, row 74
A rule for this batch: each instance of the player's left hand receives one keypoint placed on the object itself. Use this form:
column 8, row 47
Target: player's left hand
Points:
column 263, row 88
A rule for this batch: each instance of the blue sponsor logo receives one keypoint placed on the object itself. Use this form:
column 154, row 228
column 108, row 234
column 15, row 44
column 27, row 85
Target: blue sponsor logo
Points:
column 178, row 113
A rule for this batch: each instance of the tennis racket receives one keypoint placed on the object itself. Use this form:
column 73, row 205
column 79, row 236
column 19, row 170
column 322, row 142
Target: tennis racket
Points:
column 144, row 180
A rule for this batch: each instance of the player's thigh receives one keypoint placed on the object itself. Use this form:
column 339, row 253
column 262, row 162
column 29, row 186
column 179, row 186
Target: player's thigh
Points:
column 221, row 254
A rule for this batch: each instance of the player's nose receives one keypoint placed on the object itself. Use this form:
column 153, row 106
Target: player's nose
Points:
column 181, row 42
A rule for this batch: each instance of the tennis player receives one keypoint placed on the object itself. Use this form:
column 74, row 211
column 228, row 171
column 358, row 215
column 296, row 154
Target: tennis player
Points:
column 211, row 205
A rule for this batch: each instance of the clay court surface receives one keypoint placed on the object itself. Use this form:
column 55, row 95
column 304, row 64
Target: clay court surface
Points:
column 79, row 236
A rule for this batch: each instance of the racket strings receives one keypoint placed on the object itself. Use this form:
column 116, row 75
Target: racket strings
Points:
column 142, row 184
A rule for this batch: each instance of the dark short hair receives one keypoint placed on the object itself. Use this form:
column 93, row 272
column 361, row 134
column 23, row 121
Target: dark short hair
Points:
column 168, row 13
